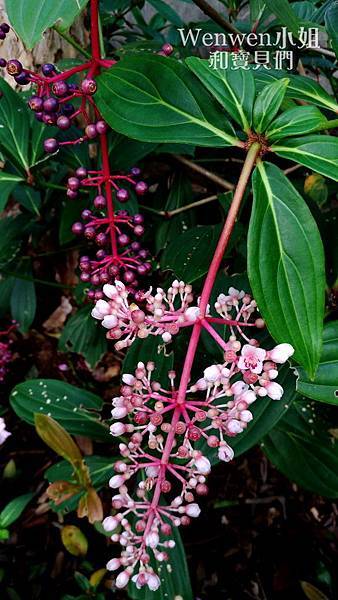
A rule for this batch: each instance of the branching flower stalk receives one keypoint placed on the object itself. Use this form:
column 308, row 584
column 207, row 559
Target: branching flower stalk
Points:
column 164, row 424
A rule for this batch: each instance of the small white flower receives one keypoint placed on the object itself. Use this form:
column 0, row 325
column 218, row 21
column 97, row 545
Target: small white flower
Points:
column 202, row 465
column 152, row 539
column 274, row 390
column 192, row 313
column 153, row 582
column 211, row 374
column 110, row 321
column 122, row 579
column 193, row 510
column 4, row 434
column 225, row 452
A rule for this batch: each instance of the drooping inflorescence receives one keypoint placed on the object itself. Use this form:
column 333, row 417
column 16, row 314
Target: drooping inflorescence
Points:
column 164, row 455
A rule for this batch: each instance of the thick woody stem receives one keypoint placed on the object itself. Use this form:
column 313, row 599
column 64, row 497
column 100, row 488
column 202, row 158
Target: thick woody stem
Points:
column 196, row 331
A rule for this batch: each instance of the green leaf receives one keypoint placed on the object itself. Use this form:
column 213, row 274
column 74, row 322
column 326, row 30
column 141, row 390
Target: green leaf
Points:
column 84, row 335
column 189, row 254
column 318, row 152
column 8, row 182
column 165, row 10
column 268, row 103
column 234, row 89
column 180, row 194
column 331, row 24
column 286, row 265
column 29, row 198
column 302, row 449
column 14, row 127
column 13, row 510
column 149, row 350
column 296, row 121
column 299, row 88
column 100, row 469
column 174, row 575
column 30, row 21
column 23, row 301
column 324, row 387
column 283, row 10
column 76, row 410
column 152, row 99
column 11, row 229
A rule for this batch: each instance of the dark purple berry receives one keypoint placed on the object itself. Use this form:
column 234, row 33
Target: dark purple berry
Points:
column 101, row 127
column 85, row 277
column 63, row 122
column 2, row 35
column 122, row 195
column 95, row 279
column 39, row 116
column 49, row 118
column 72, row 87
column 22, row 78
column 86, row 214
column 104, row 277
column 68, row 109
column 77, row 228
column 81, row 172
column 5, row 27
column 35, row 103
column 139, row 230
column 51, row 145
column 48, row 69
column 138, row 219
column 71, row 194
column 51, row 105
column 101, row 239
column 141, row 188
column 122, row 213
column 73, row 183
column 14, row 67
column 99, row 295
column 136, row 171
column 3, row 63
column 84, row 265
column 123, row 239
column 143, row 254
column 100, row 202
column 167, row 49
column 142, row 270
column 147, row 265
column 88, row 86
column 128, row 277
column 60, row 88
column 114, row 271
column 91, row 294
column 90, row 131
column 135, row 246
column 100, row 254
column 89, row 233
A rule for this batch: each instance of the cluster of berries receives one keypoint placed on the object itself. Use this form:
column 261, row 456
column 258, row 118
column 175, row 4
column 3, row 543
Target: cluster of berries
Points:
column 4, row 29
column 5, row 352
column 116, row 233
column 160, row 454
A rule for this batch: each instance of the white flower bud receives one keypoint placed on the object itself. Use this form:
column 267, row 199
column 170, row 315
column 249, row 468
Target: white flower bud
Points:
column 225, row 452
column 122, row 579
column 110, row 321
column 202, row 465
column 152, row 539
column 103, row 307
column 128, row 379
column 246, row 416
column 166, row 337
column 119, row 412
column 153, row 582
column 211, row 374
column 192, row 313
column 113, row 564
column 234, row 426
column 109, row 290
column 281, row 353
column 110, row 523
column 116, row 481
column 117, row 429
column 193, row 510
column 274, row 390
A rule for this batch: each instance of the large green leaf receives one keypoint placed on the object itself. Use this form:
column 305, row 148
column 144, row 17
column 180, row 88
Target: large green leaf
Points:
column 283, row 10
column 299, row 88
column 286, row 265
column 8, row 182
column 84, row 335
column 301, row 447
column 73, row 408
column 152, row 99
column 180, row 194
column 234, row 89
column 296, row 121
column 331, row 23
column 188, row 256
column 11, row 232
column 324, row 387
column 13, row 509
column 318, row 152
column 23, row 301
column 30, row 20
column 268, row 103
column 14, row 127
column 174, row 575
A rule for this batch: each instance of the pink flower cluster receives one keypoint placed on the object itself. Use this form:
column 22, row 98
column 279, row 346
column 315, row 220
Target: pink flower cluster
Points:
column 169, row 436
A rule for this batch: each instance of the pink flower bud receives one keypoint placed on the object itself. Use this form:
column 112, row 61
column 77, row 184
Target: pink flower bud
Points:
column 110, row 523
column 128, row 379
column 119, row 412
column 117, row 429
column 225, row 452
column 281, row 353
column 113, row 564
column 116, row 481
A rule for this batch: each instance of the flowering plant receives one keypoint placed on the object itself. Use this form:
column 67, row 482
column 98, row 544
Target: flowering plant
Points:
column 204, row 352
